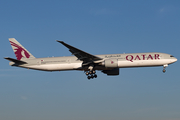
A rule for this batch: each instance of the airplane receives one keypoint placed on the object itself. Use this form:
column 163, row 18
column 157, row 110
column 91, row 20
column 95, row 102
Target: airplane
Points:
column 108, row 64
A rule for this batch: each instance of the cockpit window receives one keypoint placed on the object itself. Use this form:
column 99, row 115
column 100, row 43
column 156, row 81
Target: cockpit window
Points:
column 171, row 56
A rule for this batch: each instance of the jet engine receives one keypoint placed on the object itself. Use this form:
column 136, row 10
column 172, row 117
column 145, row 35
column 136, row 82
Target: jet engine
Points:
column 111, row 63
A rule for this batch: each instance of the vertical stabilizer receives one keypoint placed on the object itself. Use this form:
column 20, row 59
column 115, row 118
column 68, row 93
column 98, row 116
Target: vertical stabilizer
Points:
column 20, row 52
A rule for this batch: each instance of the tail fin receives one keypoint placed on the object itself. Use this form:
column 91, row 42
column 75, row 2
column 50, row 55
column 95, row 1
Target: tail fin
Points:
column 19, row 50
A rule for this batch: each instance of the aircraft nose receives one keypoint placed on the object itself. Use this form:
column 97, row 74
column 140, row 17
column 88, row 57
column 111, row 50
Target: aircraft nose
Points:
column 174, row 59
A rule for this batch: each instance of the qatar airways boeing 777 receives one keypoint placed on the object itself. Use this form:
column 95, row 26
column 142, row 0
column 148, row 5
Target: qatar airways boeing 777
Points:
column 108, row 64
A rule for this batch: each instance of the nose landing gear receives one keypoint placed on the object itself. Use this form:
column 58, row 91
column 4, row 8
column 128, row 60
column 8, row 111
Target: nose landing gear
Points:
column 164, row 68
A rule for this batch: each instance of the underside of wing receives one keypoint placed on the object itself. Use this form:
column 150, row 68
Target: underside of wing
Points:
column 81, row 55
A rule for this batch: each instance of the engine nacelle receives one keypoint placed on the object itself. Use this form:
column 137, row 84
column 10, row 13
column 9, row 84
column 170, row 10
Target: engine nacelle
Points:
column 111, row 63
column 114, row 71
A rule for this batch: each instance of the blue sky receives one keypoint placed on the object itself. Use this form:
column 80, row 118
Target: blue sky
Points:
column 97, row 27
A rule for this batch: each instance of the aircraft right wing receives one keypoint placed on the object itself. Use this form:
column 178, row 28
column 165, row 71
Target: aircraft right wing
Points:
column 81, row 55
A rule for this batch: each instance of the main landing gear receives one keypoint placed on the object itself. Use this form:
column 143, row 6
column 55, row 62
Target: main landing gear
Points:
column 164, row 68
column 91, row 74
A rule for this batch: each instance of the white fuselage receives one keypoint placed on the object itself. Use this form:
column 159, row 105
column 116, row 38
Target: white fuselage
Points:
column 123, row 61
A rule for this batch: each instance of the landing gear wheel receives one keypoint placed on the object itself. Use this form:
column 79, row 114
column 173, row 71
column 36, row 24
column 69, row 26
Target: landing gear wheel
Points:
column 164, row 71
column 89, row 77
column 87, row 73
column 95, row 76
column 92, row 76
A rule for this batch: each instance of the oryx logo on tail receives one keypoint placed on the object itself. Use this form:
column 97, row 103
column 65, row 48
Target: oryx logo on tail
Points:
column 19, row 50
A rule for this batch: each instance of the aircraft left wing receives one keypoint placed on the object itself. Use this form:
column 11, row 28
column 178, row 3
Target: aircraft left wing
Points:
column 81, row 55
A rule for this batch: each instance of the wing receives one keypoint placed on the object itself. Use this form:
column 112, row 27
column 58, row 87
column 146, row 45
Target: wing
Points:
column 81, row 55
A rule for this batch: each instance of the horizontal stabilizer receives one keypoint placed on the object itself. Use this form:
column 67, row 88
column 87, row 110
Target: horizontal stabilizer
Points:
column 15, row 60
